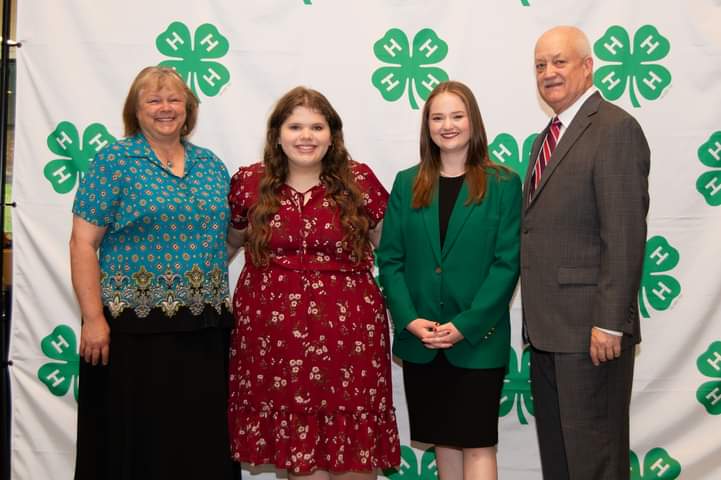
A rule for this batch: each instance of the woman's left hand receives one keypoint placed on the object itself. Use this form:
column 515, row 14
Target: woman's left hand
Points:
column 447, row 335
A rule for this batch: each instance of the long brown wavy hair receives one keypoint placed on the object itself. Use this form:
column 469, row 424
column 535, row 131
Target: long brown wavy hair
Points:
column 477, row 160
column 336, row 175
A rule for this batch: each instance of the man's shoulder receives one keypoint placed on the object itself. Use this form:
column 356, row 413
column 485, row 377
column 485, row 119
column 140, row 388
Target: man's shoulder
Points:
column 611, row 113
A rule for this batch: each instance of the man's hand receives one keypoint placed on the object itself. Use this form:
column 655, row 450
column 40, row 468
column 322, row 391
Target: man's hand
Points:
column 604, row 346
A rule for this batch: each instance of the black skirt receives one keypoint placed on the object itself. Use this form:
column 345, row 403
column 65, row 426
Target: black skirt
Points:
column 452, row 406
column 158, row 410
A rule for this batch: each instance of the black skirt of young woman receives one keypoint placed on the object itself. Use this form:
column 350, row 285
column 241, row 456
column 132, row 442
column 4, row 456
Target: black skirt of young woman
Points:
column 158, row 410
column 452, row 406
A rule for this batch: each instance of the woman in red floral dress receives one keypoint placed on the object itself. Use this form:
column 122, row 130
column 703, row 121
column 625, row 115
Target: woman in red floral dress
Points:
column 310, row 380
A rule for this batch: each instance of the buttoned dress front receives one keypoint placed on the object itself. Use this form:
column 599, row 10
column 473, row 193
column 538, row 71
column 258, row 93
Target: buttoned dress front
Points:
column 310, row 380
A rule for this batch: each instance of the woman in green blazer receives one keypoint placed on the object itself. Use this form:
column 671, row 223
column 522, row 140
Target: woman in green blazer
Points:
column 449, row 261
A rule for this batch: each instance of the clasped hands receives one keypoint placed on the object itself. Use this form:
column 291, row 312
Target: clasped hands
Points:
column 433, row 334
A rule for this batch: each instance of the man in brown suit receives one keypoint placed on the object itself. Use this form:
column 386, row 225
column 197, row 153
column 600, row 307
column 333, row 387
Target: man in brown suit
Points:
column 583, row 239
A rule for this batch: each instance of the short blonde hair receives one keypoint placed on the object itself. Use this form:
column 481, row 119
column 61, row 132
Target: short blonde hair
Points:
column 158, row 77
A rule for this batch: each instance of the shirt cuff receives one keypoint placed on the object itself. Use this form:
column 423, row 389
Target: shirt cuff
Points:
column 610, row 332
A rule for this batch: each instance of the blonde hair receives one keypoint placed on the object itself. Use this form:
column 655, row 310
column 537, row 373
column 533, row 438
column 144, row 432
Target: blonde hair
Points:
column 158, row 77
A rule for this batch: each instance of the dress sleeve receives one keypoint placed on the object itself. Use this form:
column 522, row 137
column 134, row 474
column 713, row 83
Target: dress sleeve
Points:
column 375, row 196
column 99, row 193
column 242, row 195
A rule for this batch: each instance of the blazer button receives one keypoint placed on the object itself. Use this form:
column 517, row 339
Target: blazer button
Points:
column 438, row 270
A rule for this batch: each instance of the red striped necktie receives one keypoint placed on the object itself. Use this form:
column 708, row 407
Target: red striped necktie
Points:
column 544, row 156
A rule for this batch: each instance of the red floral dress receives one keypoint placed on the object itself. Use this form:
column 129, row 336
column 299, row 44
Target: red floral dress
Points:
column 310, row 379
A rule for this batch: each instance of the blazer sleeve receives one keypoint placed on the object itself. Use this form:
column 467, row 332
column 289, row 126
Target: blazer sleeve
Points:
column 620, row 181
column 391, row 256
column 491, row 302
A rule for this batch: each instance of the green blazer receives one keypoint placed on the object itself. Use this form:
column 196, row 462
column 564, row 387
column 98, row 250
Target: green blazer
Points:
column 469, row 282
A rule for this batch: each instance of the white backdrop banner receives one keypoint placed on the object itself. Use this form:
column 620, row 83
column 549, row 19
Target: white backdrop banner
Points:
column 377, row 61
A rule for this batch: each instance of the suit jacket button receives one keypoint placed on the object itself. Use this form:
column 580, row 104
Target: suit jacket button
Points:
column 438, row 269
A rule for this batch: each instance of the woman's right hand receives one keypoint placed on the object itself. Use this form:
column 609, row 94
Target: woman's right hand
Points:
column 85, row 272
column 424, row 329
column 95, row 340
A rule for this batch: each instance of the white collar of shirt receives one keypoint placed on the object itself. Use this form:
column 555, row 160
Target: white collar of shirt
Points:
column 567, row 116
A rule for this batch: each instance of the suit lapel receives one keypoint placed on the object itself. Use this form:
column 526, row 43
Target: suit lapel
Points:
column 430, row 219
column 579, row 124
column 459, row 215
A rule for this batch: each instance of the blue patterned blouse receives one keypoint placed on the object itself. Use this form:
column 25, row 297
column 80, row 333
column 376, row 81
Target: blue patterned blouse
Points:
column 163, row 258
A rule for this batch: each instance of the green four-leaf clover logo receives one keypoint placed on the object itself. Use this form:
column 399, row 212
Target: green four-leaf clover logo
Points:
column 193, row 59
column 410, row 71
column 709, row 183
column 61, row 373
column 632, row 67
column 504, row 151
column 658, row 289
column 709, row 364
column 517, row 386
column 409, row 468
column 63, row 173
column 658, row 464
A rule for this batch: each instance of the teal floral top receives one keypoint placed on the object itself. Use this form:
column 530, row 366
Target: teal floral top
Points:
column 163, row 258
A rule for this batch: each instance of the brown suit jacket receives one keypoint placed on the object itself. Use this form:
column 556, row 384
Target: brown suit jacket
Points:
column 583, row 231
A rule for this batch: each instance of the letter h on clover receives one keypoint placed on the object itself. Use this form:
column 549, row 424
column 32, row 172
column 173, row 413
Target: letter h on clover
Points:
column 633, row 68
column 709, row 393
column 61, row 347
column 709, row 182
column 658, row 289
column 410, row 70
column 658, row 464
column 504, row 151
column 63, row 173
column 194, row 59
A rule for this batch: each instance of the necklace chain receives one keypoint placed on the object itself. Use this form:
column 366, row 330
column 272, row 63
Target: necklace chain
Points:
column 169, row 163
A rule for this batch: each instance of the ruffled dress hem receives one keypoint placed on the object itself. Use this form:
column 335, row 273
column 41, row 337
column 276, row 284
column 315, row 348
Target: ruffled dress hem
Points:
column 337, row 441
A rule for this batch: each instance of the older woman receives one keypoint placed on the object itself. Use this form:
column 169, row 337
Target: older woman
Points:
column 152, row 403
column 310, row 381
